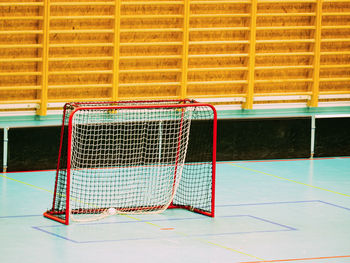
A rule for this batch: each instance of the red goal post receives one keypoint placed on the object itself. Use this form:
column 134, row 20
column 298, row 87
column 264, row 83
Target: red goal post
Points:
column 135, row 157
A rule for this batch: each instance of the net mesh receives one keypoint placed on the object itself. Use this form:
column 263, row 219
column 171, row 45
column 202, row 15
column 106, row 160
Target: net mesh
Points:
column 132, row 160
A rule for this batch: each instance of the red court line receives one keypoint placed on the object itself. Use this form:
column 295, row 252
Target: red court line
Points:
column 296, row 259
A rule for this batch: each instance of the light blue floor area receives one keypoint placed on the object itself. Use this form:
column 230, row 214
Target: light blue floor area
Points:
column 266, row 211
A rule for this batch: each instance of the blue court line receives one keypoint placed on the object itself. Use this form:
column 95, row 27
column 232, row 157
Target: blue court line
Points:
column 271, row 203
column 188, row 218
column 176, row 219
column 53, row 234
column 271, row 222
column 284, row 228
column 287, row 202
column 339, row 206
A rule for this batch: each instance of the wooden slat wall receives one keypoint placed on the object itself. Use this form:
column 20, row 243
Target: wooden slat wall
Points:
column 335, row 49
column 58, row 51
column 21, row 44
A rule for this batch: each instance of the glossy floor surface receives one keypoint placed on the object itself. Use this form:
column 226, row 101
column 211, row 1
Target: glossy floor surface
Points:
column 266, row 211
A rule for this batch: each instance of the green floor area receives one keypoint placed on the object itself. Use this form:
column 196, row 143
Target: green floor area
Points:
column 50, row 120
column 266, row 211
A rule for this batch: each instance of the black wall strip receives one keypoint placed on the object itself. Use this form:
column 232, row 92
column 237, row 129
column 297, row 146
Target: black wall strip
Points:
column 36, row 148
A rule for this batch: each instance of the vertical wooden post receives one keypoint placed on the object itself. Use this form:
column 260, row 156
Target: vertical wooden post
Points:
column 185, row 47
column 317, row 56
column 116, row 51
column 251, row 64
column 42, row 111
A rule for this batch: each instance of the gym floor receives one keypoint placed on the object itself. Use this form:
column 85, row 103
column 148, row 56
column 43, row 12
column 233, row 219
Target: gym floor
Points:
column 266, row 211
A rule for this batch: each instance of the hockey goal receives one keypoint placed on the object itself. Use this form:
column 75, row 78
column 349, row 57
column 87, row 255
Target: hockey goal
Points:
column 134, row 157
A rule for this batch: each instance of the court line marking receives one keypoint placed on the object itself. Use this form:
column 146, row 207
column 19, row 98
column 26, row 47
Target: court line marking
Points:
column 137, row 219
column 27, row 184
column 296, row 259
column 289, row 180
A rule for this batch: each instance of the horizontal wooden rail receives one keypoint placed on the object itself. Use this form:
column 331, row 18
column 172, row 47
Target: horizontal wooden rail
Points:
column 335, row 66
column 151, row 57
column 206, row 2
column 219, row 15
column 20, row 73
column 149, row 84
column 137, row 16
column 58, row 59
column 328, row 53
column 285, row 27
column 24, row 101
column 218, row 69
column 214, row 29
column 21, row 45
column 138, row 30
column 21, row 18
column 87, row 17
column 218, row 42
column 20, row 32
column 80, row 86
column 285, row 14
column 219, row 55
column 149, row 70
column 81, row 72
column 279, row 67
column 76, row 45
column 281, row 96
column 283, row 80
column 20, row 87
column 217, row 82
column 335, row 14
column 337, row 92
column 152, row 2
column 281, row 41
column 123, row 44
column 80, row 99
column 336, row 27
column 287, row 1
column 10, row 4
column 81, row 31
column 285, row 54
column 334, row 79
column 12, row 60
column 324, row 40
column 106, row 3
column 282, row 93
column 227, row 97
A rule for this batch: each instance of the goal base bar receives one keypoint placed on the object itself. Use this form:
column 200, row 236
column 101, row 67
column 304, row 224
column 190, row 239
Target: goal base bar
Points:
column 55, row 215
column 55, row 218
column 195, row 210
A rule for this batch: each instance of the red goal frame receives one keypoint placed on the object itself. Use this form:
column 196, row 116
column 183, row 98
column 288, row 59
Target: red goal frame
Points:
column 121, row 105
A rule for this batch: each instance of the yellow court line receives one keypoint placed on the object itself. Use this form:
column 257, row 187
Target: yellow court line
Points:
column 228, row 248
column 195, row 238
column 290, row 180
column 21, row 182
